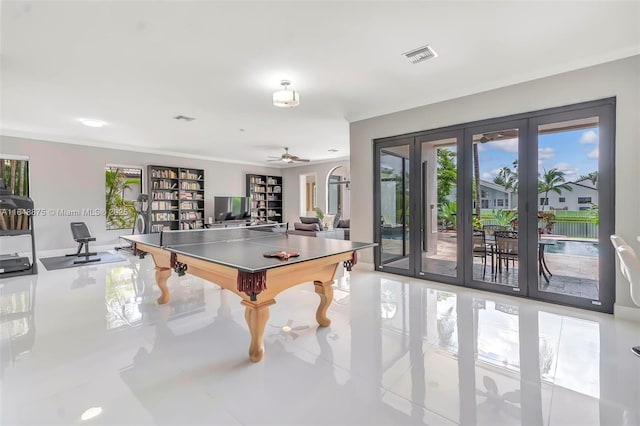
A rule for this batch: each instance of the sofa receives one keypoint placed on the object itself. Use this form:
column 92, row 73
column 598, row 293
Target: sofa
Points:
column 313, row 227
column 308, row 226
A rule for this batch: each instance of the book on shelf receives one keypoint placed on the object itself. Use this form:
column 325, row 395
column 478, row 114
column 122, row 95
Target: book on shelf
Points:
column 164, row 184
column 162, row 217
column 189, row 205
column 190, row 174
column 191, row 186
column 164, row 195
column 192, row 225
column 163, row 205
column 163, row 174
column 190, row 215
column 159, row 228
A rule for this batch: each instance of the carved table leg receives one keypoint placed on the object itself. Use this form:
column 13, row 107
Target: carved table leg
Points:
column 325, row 291
column 256, row 316
column 162, row 275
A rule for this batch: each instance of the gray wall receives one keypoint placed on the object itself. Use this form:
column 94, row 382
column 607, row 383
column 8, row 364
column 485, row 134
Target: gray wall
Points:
column 619, row 78
column 291, row 179
column 66, row 176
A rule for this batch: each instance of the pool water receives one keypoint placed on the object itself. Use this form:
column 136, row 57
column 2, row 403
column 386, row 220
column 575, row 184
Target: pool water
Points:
column 575, row 248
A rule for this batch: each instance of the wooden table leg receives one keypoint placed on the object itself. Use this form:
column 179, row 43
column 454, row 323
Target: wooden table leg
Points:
column 325, row 291
column 256, row 316
column 162, row 275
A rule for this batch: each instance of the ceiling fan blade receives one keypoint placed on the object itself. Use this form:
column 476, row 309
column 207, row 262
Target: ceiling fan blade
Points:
column 288, row 158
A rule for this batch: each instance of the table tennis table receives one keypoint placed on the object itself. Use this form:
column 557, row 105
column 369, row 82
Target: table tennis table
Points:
column 233, row 258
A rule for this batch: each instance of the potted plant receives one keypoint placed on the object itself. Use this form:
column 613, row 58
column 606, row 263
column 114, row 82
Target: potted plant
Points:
column 549, row 219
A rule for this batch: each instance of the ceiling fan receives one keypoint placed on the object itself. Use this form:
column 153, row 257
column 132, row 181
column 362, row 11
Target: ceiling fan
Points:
column 505, row 134
column 289, row 158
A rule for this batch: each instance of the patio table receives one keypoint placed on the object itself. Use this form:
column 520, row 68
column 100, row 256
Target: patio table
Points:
column 543, row 269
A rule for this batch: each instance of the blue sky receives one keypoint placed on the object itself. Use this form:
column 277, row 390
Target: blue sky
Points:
column 574, row 152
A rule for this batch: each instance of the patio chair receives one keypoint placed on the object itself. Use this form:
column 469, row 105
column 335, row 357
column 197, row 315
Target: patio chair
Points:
column 630, row 268
column 506, row 248
column 489, row 230
column 480, row 249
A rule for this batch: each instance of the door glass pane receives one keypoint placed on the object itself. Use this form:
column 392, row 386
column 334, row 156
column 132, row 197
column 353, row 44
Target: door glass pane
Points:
column 568, row 214
column 439, row 207
column 333, row 195
column 494, row 203
column 394, row 206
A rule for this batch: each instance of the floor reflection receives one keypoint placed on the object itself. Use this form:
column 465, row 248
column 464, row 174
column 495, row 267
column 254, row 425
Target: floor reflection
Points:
column 488, row 361
column 397, row 352
column 17, row 319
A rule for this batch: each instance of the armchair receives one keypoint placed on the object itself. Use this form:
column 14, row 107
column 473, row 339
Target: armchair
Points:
column 345, row 224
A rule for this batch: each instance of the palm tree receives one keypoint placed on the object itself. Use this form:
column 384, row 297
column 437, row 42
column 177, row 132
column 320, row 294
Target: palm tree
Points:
column 116, row 183
column 592, row 176
column 552, row 180
column 508, row 177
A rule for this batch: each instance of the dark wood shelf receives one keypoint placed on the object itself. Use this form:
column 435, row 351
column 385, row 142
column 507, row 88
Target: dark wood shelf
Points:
column 259, row 188
column 180, row 177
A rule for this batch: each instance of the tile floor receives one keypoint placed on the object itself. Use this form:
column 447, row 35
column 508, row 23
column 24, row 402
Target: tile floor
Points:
column 92, row 341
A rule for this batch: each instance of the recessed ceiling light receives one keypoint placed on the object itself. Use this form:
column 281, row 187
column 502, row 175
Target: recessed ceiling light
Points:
column 92, row 122
column 91, row 413
column 420, row 54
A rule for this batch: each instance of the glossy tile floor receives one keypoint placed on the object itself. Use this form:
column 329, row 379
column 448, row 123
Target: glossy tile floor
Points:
column 91, row 341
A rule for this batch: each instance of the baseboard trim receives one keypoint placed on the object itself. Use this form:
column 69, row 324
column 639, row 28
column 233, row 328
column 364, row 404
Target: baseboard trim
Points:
column 626, row 312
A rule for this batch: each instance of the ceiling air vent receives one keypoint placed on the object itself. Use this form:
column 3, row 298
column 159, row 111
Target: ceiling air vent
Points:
column 420, row 54
column 183, row 117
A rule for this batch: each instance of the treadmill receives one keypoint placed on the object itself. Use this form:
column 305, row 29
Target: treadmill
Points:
column 15, row 221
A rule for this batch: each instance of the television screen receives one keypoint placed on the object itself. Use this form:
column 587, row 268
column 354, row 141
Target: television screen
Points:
column 231, row 208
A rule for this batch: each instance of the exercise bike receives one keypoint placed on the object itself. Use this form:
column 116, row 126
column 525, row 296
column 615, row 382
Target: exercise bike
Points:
column 141, row 206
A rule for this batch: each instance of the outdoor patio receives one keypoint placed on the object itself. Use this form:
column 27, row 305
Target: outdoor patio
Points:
column 571, row 274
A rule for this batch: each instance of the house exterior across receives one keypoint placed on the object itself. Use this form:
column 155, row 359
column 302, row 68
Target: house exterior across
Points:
column 492, row 196
column 584, row 193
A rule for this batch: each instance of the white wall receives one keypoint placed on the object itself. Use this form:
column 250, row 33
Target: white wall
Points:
column 291, row 179
column 619, row 78
column 65, row 176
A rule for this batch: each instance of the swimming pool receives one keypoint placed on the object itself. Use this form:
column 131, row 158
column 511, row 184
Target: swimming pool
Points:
column 575, row 248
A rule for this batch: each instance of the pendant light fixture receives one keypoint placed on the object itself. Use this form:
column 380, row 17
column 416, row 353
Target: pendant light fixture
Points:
column 286, row 98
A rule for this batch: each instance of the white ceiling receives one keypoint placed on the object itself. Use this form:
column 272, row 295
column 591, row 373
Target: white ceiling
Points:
column 136, row 65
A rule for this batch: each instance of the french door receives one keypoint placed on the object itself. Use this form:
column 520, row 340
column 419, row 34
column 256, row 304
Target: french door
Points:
column 521, row 205
column 393, row 217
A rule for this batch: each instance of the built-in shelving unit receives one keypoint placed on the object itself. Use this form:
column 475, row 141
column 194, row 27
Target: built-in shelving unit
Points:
column 177, row 198
column 266, row 197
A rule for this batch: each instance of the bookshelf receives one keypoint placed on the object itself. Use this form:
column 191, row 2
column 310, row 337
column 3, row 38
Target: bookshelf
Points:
column 265, row 193
column 177, row 198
